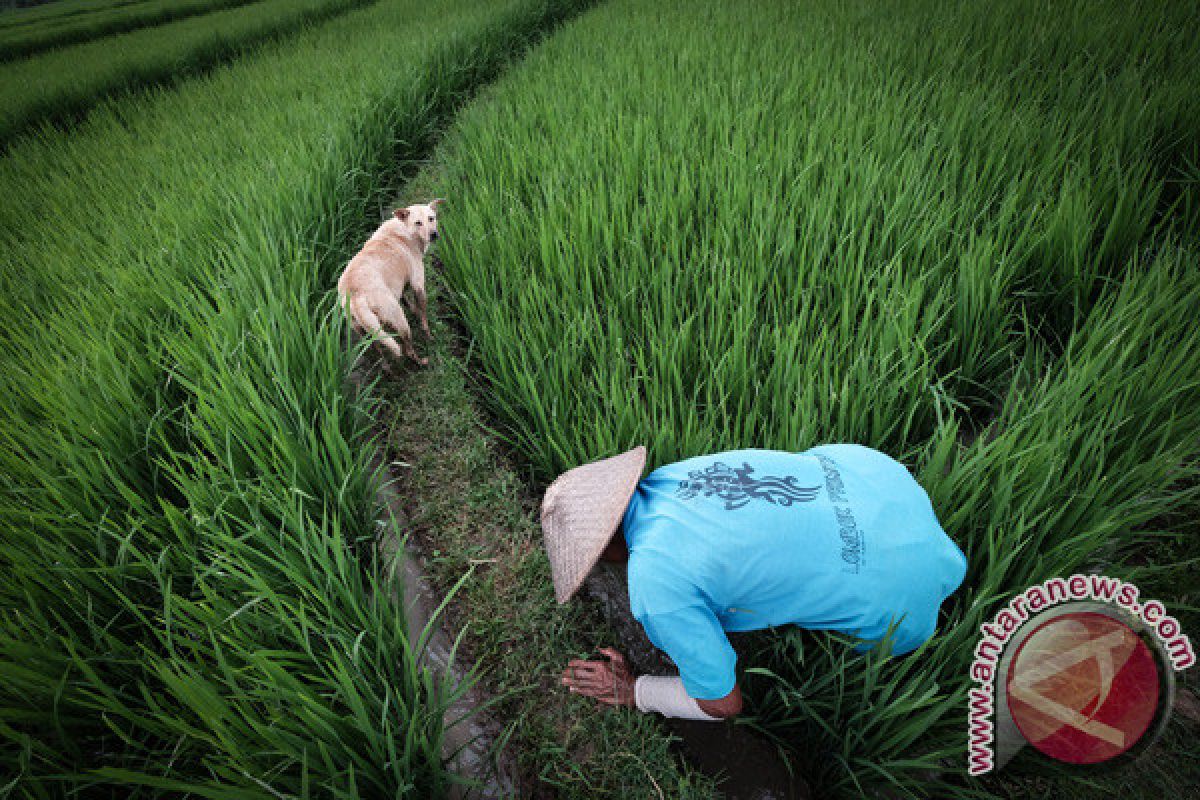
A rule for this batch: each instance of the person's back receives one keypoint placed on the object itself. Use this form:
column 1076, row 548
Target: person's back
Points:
column 839, row 537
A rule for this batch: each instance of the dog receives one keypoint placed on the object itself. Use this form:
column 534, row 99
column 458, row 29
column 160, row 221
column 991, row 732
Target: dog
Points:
column 373, row 283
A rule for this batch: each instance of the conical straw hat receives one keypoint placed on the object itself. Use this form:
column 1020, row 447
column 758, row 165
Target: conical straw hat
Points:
column 580, row 513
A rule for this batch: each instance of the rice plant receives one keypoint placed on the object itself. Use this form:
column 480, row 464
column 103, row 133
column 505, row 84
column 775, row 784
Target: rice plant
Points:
column 961, row 235
column 58, row 11
column 24, row 40
column 191, row 603
column 59, row 84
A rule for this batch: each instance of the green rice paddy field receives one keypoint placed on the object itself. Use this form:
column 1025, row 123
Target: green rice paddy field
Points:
column 965, row 234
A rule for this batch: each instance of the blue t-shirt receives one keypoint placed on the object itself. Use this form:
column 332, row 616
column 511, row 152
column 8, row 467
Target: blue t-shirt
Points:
column 839, row 537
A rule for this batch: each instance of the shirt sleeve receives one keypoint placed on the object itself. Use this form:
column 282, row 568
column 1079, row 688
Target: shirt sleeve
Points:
column 694, row 639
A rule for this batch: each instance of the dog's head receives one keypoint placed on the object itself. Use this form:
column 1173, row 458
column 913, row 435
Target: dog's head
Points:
column 420, row 222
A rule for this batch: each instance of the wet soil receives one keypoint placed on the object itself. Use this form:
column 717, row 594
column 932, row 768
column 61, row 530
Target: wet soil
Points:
column 745, row 766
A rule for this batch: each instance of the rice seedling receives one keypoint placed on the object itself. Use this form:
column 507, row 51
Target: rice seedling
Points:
column 191, row 605
column 27, row 39
column 63, row 83
column 964, row 237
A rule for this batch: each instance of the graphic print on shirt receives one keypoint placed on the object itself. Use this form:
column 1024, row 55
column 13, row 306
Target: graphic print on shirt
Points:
column 737, row 488
column 848, row 530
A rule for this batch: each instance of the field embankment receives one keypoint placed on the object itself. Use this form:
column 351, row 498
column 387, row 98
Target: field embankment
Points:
column 23, row 40
column 962, row 236
column 65, row 83
column 187, row 497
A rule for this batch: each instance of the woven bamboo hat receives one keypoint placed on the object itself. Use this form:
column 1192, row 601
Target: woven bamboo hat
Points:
column 580, row 513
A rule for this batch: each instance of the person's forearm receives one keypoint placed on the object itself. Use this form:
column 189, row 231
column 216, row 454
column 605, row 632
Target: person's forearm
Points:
column 666, row 695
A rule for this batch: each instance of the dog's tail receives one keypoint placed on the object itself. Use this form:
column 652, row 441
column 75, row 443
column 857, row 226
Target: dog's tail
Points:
column 368, row 322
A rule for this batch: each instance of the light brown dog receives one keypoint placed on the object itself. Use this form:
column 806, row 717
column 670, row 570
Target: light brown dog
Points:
column 373, row 283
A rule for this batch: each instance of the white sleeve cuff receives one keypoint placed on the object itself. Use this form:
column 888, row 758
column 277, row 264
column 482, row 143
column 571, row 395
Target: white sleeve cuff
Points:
column 666, row 695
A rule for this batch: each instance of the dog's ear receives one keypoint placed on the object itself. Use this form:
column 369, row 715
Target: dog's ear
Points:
column 401, row 213
column 436, row 203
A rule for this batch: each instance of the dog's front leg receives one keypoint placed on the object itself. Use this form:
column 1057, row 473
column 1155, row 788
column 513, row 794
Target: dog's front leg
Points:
column 414, row 301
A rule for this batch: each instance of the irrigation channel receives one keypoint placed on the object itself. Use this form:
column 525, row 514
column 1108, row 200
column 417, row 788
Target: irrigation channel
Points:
column 469, row 738
column 744, row 765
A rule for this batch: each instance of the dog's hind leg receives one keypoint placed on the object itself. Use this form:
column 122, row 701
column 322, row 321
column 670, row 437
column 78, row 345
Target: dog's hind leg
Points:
column 393, row 316
column 368, row 321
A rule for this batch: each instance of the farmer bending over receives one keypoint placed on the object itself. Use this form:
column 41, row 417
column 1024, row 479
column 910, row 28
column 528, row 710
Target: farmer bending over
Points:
column 839, row 537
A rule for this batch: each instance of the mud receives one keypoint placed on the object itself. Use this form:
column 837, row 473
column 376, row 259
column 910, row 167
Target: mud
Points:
column 745, row 766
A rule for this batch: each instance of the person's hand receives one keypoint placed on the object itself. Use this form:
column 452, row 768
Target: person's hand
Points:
column 610, row 682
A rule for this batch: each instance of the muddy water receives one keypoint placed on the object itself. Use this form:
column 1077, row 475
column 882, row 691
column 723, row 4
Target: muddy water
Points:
column 466, row 739
column 468, row 736
column 746, row 766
